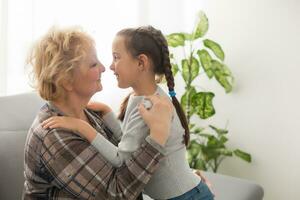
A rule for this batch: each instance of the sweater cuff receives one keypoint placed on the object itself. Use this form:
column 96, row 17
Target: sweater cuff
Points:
column 157, row 146
column 109, row 117
column 97, row 141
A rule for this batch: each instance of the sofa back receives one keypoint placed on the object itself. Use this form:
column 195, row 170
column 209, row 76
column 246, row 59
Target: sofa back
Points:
column 16, row 115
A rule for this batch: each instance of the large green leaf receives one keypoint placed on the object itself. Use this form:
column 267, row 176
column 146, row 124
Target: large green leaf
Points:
column 205, row 60
column 202, row 103
column 212, row 142
column 223, row 139
column 175, row 39
column 224, row 151
column 187, row 98
column 210, row 152
column 197, row 130
column 175, row 69
column 227, row 71
column 218, row 130
column 221, row 75
column 200, row 164
column 194, row 68
column 243, row 155
column 190, row 69
column 188, row 36
column 201, row 26
column 215, row 47
column 185, row 70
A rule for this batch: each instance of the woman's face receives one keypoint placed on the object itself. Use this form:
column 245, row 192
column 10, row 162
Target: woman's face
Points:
column 124, row 65
column 87, row 77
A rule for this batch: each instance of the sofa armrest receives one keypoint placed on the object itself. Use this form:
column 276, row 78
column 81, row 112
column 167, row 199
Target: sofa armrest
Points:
column 232, row 188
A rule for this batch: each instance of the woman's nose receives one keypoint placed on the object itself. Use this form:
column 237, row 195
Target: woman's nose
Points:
column 102, row 68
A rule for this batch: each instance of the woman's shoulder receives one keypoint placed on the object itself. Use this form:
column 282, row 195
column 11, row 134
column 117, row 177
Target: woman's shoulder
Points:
column 45, row 112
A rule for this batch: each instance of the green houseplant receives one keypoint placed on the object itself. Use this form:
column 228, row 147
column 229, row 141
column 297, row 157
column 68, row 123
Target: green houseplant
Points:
column 207, row 148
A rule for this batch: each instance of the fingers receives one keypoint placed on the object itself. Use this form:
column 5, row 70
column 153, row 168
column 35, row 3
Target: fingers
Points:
column 153, row 98
column 52, row 122
column 92, row 105
column 142, row 109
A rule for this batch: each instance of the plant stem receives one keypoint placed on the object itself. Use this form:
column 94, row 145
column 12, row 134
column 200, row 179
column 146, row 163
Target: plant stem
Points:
column 189, row 82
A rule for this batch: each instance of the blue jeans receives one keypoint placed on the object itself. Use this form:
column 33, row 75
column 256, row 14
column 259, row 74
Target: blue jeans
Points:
column 200, row 192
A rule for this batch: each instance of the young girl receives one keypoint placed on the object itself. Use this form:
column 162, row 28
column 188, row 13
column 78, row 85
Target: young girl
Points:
column 139, row 55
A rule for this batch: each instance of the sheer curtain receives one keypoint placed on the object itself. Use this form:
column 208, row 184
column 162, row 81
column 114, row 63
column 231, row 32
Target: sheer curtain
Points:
column 22, row 22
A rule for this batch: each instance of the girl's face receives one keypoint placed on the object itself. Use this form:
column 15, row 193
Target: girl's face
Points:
column 124, row 65
column 87, row 77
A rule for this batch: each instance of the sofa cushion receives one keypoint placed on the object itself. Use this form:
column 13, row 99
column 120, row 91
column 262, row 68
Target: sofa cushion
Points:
column 16, row 115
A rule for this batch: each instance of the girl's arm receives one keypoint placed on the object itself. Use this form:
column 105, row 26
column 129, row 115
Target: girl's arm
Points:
column 79, row 126
column 134, row 134
column 109, row 118
column 114, row 154
column 137, row 131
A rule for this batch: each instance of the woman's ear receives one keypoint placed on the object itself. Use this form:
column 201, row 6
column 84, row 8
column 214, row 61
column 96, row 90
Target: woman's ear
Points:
column 67, row 85
column 143, row 62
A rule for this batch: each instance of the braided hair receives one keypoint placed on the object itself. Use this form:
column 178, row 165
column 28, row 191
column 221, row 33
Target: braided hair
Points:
column 151, row 42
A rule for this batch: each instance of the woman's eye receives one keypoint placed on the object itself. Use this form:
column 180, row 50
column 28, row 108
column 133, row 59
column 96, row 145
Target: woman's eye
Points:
column 94, row 65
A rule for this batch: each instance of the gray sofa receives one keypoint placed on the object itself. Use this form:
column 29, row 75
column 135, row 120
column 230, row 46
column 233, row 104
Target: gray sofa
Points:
column 16, row 115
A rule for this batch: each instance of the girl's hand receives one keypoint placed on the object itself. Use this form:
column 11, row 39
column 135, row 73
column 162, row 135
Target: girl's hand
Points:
column 100, row 107
column 158, row 117
column 81, row 127
column 205, row 180
column 62, row 122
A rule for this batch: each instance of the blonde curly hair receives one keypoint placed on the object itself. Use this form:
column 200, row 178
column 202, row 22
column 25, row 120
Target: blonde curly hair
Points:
column 54, row 57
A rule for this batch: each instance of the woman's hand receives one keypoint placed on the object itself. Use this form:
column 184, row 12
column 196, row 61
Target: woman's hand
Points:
column 100, row 107
column 158, row 117
column 80, row 126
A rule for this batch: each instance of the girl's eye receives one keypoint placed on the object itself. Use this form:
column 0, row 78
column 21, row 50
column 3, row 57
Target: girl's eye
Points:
column 94, row 65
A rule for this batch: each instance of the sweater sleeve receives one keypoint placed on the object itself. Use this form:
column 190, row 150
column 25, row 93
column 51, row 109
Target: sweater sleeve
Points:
column 112, row 122
column 135, row 133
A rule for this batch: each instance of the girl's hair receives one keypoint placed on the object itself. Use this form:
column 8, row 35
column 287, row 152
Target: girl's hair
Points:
column 54, row 58
column 151, row 42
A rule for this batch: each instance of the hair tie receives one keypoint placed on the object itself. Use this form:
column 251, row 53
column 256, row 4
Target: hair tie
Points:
column 172, row 93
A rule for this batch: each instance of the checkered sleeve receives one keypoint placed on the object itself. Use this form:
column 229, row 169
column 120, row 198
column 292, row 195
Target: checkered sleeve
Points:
column 79, row 170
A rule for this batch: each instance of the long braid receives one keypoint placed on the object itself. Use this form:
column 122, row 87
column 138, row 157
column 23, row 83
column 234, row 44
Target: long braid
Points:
column 123, row 107
column 164, row 67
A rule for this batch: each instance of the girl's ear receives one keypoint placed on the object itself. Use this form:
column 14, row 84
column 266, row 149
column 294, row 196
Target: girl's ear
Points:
column 143, row 62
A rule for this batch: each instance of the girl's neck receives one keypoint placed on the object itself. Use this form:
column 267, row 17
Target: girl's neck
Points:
column 145, row 87
column 72, row 106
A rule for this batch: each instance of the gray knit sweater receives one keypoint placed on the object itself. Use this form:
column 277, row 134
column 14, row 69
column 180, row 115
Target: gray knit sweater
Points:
column 174, row 176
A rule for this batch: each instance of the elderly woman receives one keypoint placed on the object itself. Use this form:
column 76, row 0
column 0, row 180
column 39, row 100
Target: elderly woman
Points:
column 62, row 165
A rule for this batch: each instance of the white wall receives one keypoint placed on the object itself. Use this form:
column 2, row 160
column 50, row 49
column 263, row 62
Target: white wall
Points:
column 261, row 41
column 3, row 37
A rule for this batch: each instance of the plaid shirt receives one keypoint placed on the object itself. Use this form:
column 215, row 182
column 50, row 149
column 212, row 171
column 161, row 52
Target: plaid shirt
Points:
column 61, row 165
